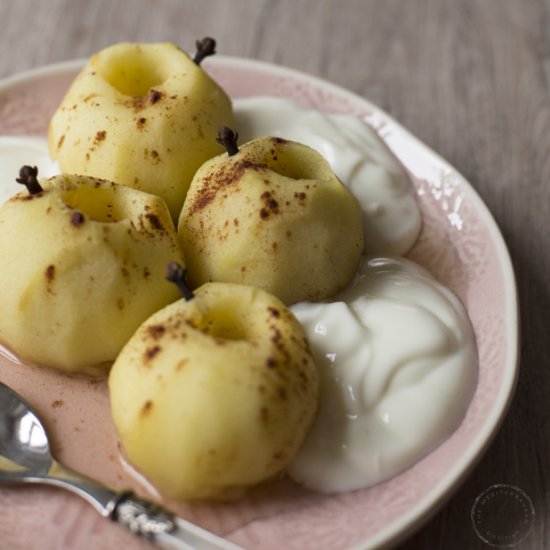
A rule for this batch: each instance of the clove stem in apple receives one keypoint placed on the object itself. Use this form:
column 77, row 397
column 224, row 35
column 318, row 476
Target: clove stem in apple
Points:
column 205, row 47
column 28, row 176
column 176, row 274
column 228, row 138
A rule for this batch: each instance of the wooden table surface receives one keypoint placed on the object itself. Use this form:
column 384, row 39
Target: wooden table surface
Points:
column 470, row 78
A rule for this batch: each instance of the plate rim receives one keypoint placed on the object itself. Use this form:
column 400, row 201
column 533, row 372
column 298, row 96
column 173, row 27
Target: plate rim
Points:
column 420, row 514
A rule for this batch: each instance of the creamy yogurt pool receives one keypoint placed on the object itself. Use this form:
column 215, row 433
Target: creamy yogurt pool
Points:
column 396, row 350
column 398, row 366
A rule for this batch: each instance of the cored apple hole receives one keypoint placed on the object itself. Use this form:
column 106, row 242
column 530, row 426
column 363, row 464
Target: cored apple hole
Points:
column 101, row 205
column 133, row 72
column 295, row 164
column 225, row 320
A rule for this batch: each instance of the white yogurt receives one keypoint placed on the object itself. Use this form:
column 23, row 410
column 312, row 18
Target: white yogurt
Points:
column 15, row 152
column 398, row 366
column 357, row 155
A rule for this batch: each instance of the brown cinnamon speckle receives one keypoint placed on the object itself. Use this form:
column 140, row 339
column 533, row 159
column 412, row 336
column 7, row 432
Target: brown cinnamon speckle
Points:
column 154, row 221
column 274, row 312
column 99, row 137
column 156, row 331
column 181, row 364
column 141, row 102
column 50, row 273
column 151, row 352
column 147, row 406
column 155, row 156
column 271, row 206
column 279, row 140
column 154, row 96
column 88, row 97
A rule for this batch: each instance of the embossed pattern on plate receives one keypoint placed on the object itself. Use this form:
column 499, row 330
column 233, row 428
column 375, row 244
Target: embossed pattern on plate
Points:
column 460, row 244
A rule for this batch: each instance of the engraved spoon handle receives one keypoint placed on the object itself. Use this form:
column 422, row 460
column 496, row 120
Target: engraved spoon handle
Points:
column 139, row 516
column 167, row 531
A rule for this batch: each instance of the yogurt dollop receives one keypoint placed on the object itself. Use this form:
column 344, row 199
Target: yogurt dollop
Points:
column 357, row 155
column 398, row 366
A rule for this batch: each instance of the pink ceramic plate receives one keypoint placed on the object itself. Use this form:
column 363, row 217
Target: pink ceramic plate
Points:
column 460, row 244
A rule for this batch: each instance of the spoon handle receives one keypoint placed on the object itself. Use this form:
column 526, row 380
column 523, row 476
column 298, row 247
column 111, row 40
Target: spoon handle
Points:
column 139, row 516
column 167, row 531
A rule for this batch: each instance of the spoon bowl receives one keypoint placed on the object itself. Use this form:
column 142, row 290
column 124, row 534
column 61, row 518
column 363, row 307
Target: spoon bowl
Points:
column 25, row 455
column 24, row 446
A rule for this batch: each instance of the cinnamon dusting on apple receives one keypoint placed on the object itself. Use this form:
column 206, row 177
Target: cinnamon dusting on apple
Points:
column 156, row 331
column 151, row 352
column 217, row 183
column 147, row 406
column 99, row 137
column 50, row 273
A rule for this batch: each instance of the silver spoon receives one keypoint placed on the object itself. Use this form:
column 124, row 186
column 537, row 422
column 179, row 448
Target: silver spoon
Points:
column 25, row 457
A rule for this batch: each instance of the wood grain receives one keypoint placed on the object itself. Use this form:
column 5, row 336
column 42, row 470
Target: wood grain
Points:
column 470, row 78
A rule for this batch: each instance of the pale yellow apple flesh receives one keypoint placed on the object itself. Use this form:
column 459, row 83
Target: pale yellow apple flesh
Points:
column 142, row 115
column 84, row 265
column 216, row 394
column 275, row 216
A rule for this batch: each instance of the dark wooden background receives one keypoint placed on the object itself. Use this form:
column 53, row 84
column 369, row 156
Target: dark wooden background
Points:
column 470, row 78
